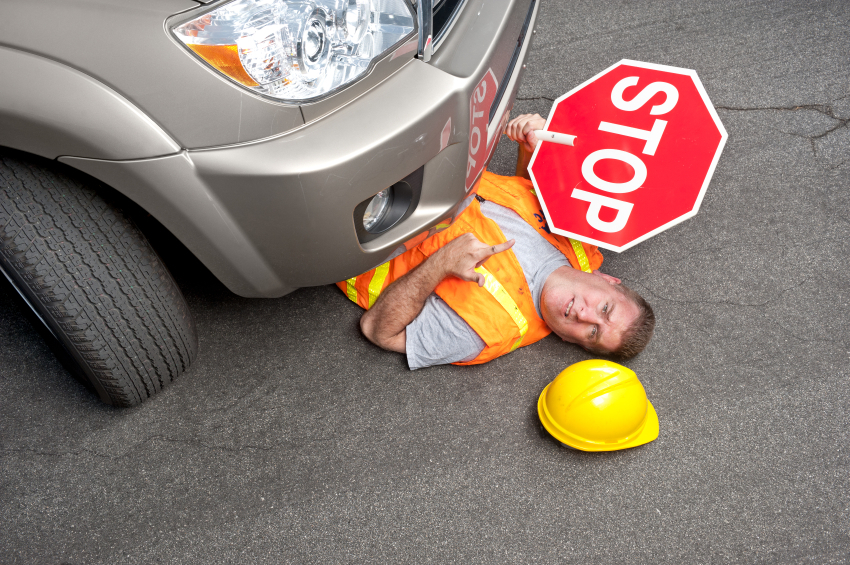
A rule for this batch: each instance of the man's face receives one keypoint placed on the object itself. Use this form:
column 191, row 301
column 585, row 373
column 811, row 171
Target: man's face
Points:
column 587, row 308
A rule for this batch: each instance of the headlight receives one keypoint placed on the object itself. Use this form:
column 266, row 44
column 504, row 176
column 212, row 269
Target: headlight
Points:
column 296, row 50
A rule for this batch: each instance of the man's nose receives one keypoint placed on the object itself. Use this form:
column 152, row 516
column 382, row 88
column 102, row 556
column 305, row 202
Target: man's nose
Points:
column 588, row 315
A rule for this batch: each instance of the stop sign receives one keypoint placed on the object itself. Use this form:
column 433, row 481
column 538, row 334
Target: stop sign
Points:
column 648, row 139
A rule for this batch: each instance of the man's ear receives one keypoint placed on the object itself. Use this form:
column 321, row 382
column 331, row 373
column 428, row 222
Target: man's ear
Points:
column 609, row 278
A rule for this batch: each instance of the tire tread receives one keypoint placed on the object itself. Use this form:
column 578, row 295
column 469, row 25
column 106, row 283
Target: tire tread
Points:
column 94, row 273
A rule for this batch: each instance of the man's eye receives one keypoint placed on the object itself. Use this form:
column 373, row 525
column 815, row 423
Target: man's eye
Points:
column 593, row 332
column 605, row 309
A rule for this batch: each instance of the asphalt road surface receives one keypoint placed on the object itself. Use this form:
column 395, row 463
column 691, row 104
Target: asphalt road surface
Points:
column 293, row 440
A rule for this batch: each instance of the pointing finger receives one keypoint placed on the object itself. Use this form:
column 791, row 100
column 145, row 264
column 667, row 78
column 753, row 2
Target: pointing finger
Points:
column 488, row 252
column 503, row 246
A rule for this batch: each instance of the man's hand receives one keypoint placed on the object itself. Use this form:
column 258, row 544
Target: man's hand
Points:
column 521, row 129
column 385, row 322
column 461, row 256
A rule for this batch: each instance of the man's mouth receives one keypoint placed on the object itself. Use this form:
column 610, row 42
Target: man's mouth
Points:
column 569, row 307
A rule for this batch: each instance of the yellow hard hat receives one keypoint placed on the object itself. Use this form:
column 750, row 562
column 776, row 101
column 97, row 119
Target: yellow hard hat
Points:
column 598, row 405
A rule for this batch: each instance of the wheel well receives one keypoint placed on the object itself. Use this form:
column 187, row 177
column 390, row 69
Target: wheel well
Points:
column 177, row 257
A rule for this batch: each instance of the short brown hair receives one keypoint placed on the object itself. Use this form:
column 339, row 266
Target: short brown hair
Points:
column 637, row 336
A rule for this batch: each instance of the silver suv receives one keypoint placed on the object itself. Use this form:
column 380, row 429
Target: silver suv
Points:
column 285, row 143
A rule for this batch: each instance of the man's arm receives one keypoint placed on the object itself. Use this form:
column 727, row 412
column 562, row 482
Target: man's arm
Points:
column 384, row 324
column 521, row 129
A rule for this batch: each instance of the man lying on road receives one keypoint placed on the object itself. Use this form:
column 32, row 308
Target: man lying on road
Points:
column 440, row 303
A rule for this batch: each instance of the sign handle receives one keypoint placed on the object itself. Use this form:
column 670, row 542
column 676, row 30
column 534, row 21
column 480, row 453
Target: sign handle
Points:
column 554, row 137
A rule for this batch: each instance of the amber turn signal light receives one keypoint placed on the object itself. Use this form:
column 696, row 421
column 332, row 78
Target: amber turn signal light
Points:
column 225, row 58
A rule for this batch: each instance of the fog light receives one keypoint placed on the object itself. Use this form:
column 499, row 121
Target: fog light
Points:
column 378, row 214
column 377, row 209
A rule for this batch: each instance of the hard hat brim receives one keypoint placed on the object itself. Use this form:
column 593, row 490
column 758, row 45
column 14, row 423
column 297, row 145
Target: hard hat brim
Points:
column 648, row 432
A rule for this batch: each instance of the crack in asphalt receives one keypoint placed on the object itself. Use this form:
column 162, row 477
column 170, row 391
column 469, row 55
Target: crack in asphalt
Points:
column 784, row 246
column 825, row 109
column 294, row 443
column 135, row 446
column 776, row 323
column 779, row 293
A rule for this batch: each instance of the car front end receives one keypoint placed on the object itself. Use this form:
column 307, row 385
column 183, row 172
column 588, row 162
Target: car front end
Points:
column 278, row 187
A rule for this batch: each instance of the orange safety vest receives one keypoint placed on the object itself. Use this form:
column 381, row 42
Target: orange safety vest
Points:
column 501, row 312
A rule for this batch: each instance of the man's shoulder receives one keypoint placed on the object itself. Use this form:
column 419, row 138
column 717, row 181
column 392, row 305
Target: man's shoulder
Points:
column 513, row 192
column 506, row 182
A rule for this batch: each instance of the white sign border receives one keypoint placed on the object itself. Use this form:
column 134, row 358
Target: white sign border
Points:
column 723, row 136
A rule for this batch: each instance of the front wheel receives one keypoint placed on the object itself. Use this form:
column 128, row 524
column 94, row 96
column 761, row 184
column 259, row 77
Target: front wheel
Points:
column 92, row 281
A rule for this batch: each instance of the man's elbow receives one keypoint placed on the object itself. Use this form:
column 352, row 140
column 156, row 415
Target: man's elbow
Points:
column 372, row 331
column 367, row 326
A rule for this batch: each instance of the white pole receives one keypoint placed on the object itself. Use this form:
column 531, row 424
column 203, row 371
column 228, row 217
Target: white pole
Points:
column 561, row 138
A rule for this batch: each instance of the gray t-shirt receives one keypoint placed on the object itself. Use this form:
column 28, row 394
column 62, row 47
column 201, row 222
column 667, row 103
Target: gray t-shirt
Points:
column 439, row 335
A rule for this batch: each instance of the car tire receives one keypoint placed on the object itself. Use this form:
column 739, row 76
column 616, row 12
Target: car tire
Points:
column 92, row 281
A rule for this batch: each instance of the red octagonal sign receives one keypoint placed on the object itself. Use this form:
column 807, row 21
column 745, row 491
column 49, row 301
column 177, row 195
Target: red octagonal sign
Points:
column 648, row 140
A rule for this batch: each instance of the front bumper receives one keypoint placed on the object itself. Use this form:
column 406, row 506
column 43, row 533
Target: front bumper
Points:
column 275, row 215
